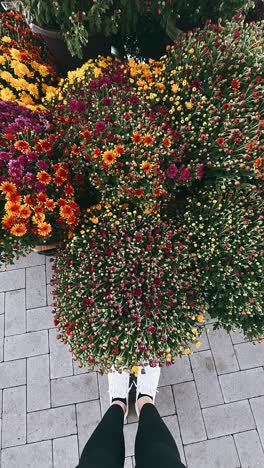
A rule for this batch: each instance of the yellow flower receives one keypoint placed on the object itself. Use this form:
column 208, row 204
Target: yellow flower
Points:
column 200, row 318
column 194, row 331
column 15, row 54
column 135, row 370
column 198, row 344
column 2, row 59
column 7, row 95
column 188, row 105
column 187, row 351
column 97, row 72
column 184, row 82
column 175, row 88
column 20, row 69
column 94, row 220
column 6, row 76
column 6, row 39
column 191, row 51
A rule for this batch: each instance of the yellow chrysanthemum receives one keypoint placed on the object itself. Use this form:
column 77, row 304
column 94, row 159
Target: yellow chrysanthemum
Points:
column 7, row 95
column 6, row 39
column 18, row 230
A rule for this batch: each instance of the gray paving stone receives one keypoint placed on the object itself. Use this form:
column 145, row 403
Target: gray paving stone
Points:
column 39, row 319
column 205, row 343
column 238, row 336
column 207, row 383
column 228, row 419
column 189, row 413
column 36, row 287
column 26, row 345
column 173, row 426
column 31, row 456
column 1, row 405
column 103, row 392
column 29, row 260
column 257, row 405
column 65, row 452
column 0, row 437
column 49, row 271
column 15, row 312
column 88, row 418
column 14, row 416
column 165, row 402
column 249, row 449
column 51, row 423
column 38, row 383
column 10, row 280
column 242, row 385
column 13, row 373
column 215, row 453
column 250, row 355
column 2, row 303
column 50, row 297
column 223, row 351
column 74, row 389
column 130, row 431
column 2, row 323
column 177, row 373
column 60, row 357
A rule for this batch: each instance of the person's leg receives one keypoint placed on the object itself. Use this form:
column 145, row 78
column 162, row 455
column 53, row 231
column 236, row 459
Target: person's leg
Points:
column 155, row 446
column 106, row 446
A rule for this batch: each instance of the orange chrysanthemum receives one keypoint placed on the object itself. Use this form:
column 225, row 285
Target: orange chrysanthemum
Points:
column 38, row 209
column 119, row 149
column 97, row 152
column 38, row 218
column 8, row 222
column 109, row 157
column 136, row 137
column 12, row 208
column 44, row 229
column 42, row 197
column 146, row 166
column 18, row 230
column 166, row 142
column 72, row 221
column 139, row 192
column 258, row 162
column 50, row 205
column 148, row 140
column 22, row 146
column 25, row 212
column 62, row 173
column 13, row 197
column 66, row 211
column 29, row 200
column 8, row 187
column 44, row 177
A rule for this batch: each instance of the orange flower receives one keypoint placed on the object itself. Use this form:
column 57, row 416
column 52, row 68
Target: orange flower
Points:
column 42, row 197
column 29, row 200
column 25, row 212
column 66, row 211
column 166, row 142
column 97, row 152
column 8, row 187
column 139, row 192
column 13, row 197
column 136, row 138
column 44, row 229
column 69, row 190
column 44, row 177
column 119, row 149
column 147, row 167
column 258, row 162
column 22, row 145
column 109, row 157
column 62, row 173
column 12, row 208
column 18, row 230
column 50, row 205
column 74, row 149
column 249, row 146
column 8, row 222
column 200, row 318
column 148, row 140
column 38, row 218
column 38, row 209
column 72, row 220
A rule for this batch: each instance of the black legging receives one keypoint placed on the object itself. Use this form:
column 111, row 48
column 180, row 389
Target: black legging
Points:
column 155, row 446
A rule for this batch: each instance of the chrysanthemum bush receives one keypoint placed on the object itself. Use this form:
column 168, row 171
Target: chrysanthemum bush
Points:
column 210, row 84
column 27, row 72
column 37, row 201
column 127, row 292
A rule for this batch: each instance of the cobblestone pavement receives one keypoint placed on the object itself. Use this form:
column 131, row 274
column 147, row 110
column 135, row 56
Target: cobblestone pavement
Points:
column 213, row 401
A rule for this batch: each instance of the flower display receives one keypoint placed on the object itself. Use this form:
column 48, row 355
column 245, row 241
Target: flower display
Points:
column 126, row 293
column 36, row 196
column 27, row 73
column 210, row 83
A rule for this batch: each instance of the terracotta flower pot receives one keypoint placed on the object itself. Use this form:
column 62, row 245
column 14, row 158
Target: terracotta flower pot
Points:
column 47, row 249
column 98, row 44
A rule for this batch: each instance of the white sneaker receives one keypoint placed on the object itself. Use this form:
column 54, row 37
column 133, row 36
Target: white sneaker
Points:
column 147, row 383
column 119, row 386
